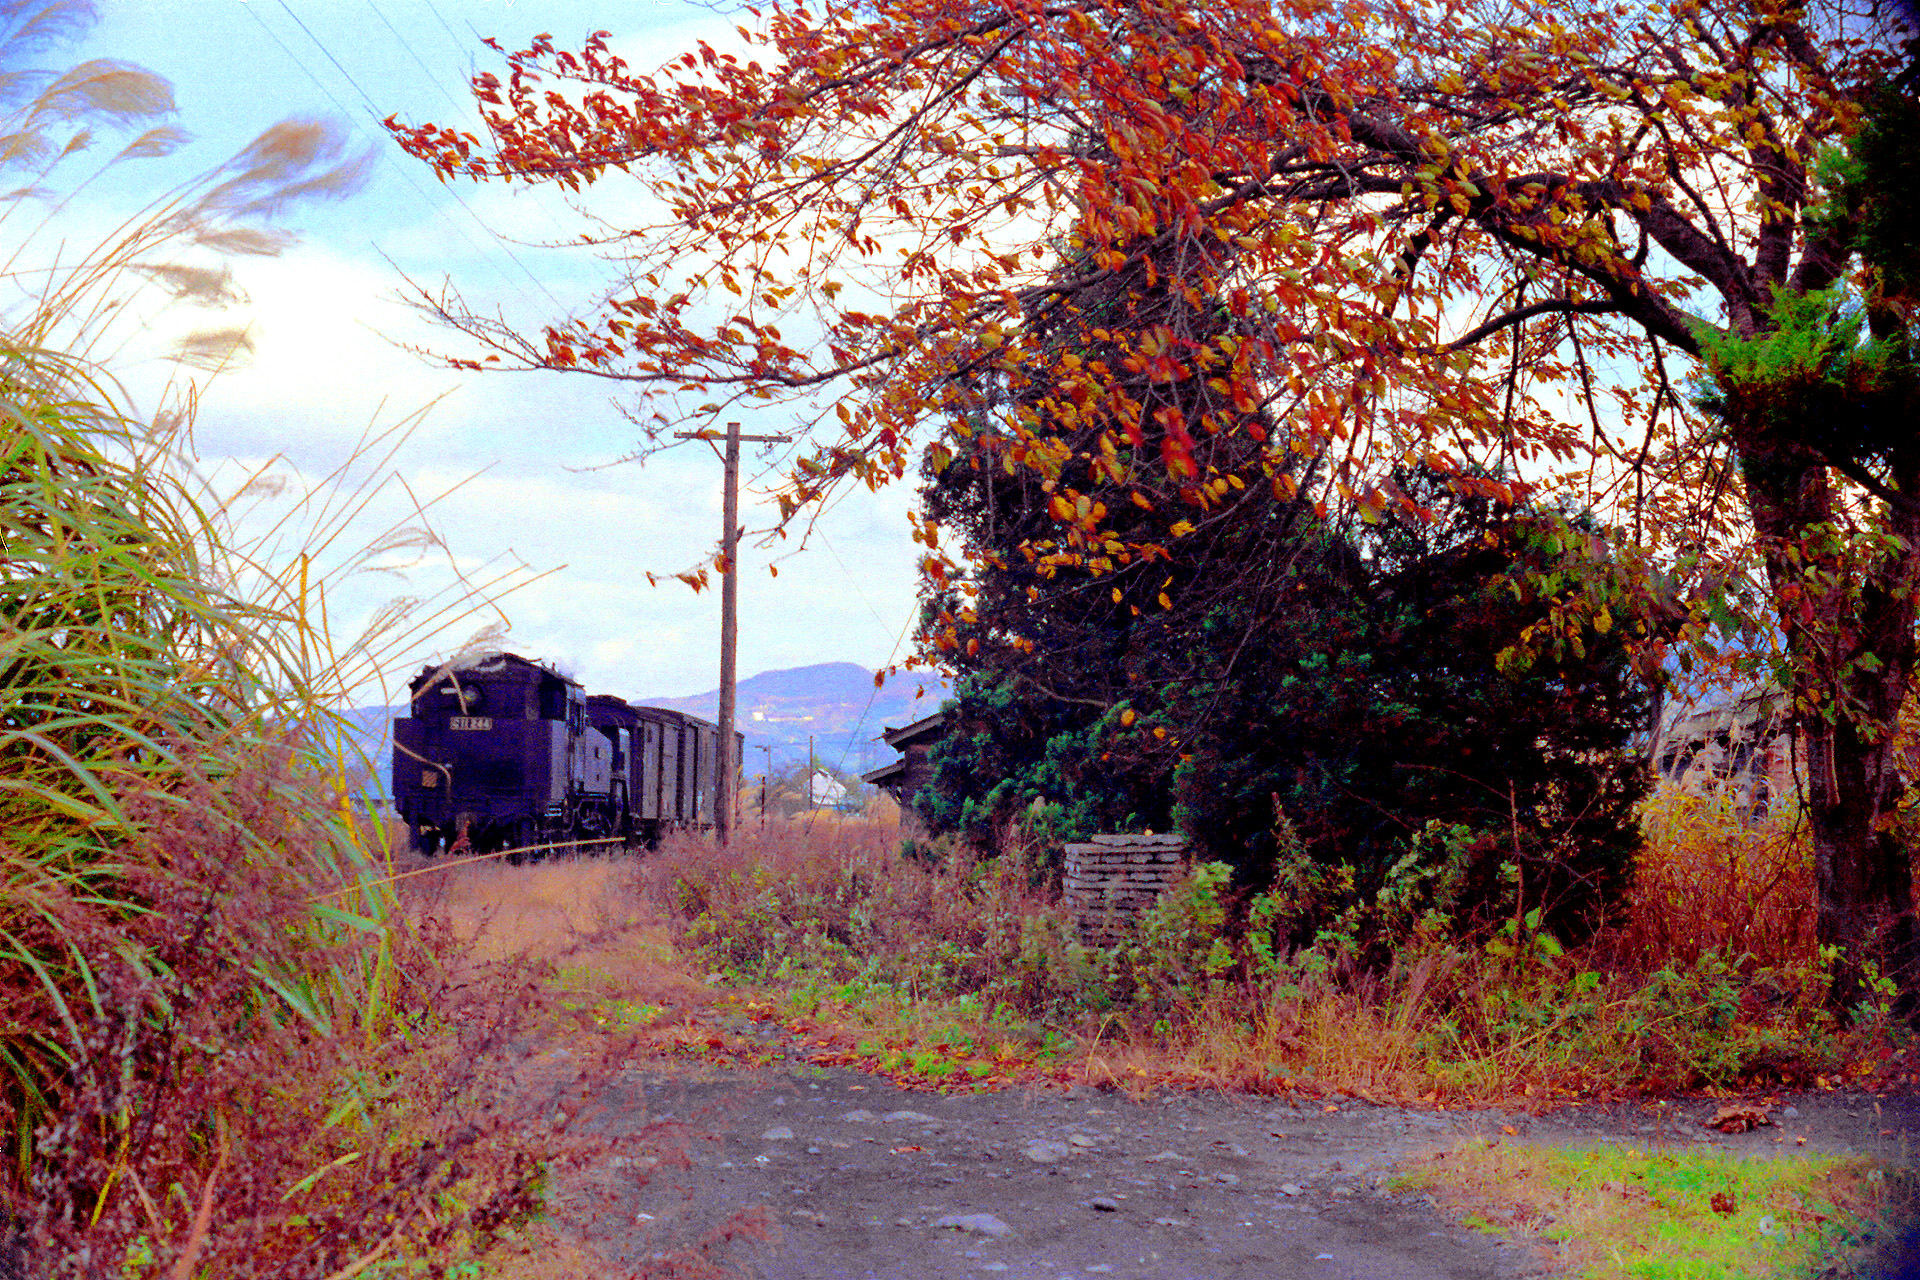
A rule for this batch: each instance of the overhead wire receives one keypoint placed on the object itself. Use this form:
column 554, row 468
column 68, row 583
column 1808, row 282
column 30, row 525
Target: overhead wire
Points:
column 374, row 113
column 815, row 531
column 873, row 696
column 454, row 39
column 854, row 733
column 425, row 70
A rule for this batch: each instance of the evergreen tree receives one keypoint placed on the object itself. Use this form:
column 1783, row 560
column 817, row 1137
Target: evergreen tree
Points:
column 1239, row 653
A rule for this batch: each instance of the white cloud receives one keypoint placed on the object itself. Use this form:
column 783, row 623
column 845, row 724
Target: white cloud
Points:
column 323, row 319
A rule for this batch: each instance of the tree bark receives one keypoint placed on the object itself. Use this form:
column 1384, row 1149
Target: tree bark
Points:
column 1847, row 608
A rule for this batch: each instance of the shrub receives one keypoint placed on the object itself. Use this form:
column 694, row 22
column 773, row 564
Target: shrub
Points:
column 1708, row 879
column 849, row 905
column 1371, row 680
column 1392, row 989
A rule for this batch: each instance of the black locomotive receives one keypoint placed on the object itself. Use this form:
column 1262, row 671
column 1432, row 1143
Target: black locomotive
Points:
column 514, row 754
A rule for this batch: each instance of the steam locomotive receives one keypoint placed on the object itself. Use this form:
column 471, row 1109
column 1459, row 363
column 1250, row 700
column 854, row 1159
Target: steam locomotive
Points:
column 514, row 754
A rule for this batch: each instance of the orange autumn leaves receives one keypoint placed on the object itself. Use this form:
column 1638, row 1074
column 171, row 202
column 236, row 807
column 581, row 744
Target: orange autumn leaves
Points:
column 1373, row 235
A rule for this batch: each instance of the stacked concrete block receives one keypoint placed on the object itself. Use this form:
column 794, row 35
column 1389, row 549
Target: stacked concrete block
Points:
column 1112, row 879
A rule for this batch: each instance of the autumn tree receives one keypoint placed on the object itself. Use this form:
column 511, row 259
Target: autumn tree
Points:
column 1480, row 231
column 1074, row 650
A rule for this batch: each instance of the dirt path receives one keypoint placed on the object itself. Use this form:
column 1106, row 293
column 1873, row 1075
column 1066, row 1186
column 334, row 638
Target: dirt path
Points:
column 862, row 1179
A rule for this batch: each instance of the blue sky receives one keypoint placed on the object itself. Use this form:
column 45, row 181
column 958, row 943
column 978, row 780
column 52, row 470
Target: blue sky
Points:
column 328, row 356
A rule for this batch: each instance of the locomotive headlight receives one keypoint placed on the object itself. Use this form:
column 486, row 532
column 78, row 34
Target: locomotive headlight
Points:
column 470, row 696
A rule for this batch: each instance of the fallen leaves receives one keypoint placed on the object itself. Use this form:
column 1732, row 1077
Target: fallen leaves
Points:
column 1738, row 1117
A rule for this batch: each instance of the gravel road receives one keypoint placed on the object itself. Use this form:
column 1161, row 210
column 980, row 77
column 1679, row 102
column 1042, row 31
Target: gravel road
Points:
column 863, row 1179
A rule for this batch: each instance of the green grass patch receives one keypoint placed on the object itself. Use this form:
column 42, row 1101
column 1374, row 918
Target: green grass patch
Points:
column 941, row 1040
column 581, row 988
column 1609, row 1211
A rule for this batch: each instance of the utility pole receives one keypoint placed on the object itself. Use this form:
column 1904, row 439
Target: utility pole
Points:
column 766, row 781
column 726, row 776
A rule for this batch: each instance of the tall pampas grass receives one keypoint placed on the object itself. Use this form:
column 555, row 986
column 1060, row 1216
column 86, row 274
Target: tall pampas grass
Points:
column 223, row 1050
column 220, row 1045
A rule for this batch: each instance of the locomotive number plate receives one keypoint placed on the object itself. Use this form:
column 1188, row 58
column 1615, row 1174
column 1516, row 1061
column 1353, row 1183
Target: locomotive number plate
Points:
column 470, row 722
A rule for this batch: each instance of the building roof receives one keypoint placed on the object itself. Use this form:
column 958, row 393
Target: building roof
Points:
column 886, row 773
column 925, row 729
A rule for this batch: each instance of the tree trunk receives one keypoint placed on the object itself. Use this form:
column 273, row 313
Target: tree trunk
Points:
column 1861, row 870
column 1846, row 599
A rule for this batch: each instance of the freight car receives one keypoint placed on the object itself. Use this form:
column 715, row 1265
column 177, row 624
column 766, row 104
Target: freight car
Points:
column 516, row 754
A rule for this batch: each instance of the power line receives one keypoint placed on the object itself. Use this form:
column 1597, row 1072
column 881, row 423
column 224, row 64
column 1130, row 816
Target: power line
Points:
column 425, row 70
column 847, row 573
column 872, row 697
column 327, row 53
column 373, row 112
column 456, row 41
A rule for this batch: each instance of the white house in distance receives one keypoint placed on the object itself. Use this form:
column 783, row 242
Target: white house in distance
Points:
column 824, row 791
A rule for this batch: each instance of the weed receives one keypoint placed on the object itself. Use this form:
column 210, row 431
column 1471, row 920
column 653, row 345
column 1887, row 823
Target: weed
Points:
column 1301, row 985
column 1610, row 1211
column 1710, row 879
column 239, row 1050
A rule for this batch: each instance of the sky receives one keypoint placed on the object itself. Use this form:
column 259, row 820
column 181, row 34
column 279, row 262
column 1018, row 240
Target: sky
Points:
column 524, row 459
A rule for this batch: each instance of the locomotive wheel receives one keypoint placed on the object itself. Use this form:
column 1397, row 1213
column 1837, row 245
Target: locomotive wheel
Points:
column 524, row 834
column 593, row 826
column 554, row 834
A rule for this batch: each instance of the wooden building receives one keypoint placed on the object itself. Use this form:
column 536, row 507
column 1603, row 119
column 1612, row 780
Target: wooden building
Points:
column 914, row 769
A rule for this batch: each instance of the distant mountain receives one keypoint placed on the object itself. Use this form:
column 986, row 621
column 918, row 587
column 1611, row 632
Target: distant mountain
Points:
column 835, row 702
column 369, row 731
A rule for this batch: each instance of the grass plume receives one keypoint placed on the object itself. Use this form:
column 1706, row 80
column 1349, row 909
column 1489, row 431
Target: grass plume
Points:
column 224, row 1048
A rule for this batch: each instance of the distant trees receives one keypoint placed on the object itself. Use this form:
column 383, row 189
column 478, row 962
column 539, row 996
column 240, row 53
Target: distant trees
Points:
column 803, row 787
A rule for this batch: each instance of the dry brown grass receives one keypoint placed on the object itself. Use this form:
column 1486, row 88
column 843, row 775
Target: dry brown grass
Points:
column 964, row 974
column 613, row 992
column 1330, row 1041
column 838, row 888
column 968, row 973
column 547, row 910
column 810, row 847
column 1708, row 880
column 586, row 917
